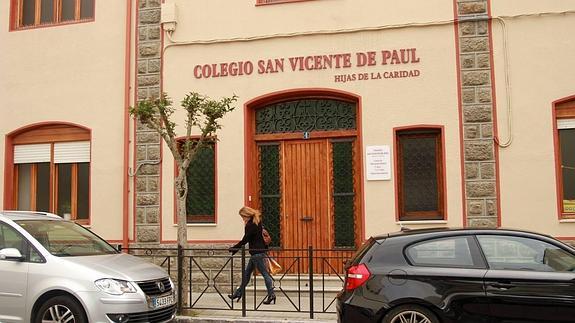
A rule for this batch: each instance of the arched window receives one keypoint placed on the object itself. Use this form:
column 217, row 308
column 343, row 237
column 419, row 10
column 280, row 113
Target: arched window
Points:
column 49, row 166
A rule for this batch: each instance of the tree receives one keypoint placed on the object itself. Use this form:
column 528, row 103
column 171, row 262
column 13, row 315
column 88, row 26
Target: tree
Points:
column 202, row 113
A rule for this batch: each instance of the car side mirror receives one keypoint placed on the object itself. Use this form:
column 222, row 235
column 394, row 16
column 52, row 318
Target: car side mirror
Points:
column 10, row 254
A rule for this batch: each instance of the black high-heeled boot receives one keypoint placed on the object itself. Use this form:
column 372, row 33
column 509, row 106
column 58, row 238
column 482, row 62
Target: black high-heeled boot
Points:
column 271, row 298
column 234, row 296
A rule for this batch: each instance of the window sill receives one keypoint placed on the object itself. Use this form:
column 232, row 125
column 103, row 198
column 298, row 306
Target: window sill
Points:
column 263, row 3
column 56, row 24
column 198, row 225
column 421, row 222
column 567, row 221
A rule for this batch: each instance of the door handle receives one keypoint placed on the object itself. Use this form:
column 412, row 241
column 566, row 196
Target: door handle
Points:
column 501, row 285
column 307, row 218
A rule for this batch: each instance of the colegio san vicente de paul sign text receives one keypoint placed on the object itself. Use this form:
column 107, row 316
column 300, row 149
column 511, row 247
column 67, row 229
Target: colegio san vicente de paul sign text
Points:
column 382, row 64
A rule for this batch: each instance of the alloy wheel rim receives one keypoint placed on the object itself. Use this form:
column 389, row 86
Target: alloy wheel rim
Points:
column 410, row 317
column 58, row 314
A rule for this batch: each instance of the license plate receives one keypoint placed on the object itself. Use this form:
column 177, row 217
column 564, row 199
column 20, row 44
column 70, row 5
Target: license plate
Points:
column 163, row 301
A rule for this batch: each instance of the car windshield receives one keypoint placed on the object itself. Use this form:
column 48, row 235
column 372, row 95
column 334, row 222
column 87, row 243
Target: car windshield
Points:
column 66, row 239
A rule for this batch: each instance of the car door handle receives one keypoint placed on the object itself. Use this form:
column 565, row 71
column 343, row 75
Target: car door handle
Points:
column 501, row 285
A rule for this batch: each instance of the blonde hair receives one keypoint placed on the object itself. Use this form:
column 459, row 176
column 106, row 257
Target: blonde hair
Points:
column 248, row 212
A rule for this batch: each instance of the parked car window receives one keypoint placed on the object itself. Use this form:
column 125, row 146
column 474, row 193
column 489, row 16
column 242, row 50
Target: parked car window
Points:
column 445, row 252
column 10, row 238
column 66, row 239
column 519, row 253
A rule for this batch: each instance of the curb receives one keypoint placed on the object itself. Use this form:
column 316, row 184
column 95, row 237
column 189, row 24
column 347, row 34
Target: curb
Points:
column 199, row 319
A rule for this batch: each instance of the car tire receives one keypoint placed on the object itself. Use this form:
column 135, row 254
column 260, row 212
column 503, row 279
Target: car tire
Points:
column 61, row 309
column 410, row 313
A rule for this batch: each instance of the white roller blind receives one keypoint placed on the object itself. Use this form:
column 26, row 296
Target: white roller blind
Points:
column 38, row 153
column 565, row 123
column 72, row 152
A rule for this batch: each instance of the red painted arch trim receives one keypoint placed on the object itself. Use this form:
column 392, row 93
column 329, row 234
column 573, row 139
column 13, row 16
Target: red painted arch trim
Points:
column 444, row 190
column 37, row 125
column 494, row 109
column 249, row 131
column 135, row 124
column 557, row 153
column 126, row 162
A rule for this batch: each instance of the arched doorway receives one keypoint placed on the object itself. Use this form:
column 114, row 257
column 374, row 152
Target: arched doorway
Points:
column 304, row 169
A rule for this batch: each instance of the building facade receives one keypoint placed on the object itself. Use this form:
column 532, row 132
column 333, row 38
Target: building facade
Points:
column 353, row 119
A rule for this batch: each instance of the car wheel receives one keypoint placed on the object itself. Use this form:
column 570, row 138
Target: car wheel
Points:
column 411, row 314
column 61, row 309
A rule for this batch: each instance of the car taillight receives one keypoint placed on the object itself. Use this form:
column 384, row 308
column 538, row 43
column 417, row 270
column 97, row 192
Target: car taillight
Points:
column 356, row 276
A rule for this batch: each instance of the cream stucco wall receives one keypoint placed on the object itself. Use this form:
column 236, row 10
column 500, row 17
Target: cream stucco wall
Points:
column 386, row 103
column 541, row 70
column 221, row 19
column 72, row 73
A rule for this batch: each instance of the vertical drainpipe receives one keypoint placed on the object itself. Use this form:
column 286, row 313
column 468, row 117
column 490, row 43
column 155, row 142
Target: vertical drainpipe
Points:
column 126, row 180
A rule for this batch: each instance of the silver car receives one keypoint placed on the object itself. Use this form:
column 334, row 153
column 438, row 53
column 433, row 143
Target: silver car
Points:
column 53, row 270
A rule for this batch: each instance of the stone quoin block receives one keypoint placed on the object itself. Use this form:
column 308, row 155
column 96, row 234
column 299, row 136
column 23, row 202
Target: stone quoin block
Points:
column 153, row 215
column 480, row 189
column 475, row 208
column 147, row 138
column 149, row 170
column 481, row 113
column 149, row 17
column 468, row 95
column 471, row 170
column 474, row 78
column 147, row 199
column 148, row 234
column 469, row 8
column 471, row 132
column 487, row 130
column 474, row 44
column 147, row 80
column 482, row 222
column 487, row 170
column 154, row 152
column 149, row 49
column 478, row 150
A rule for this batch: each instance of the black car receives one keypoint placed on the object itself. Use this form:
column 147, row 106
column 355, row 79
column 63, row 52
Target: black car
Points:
column 459, row 275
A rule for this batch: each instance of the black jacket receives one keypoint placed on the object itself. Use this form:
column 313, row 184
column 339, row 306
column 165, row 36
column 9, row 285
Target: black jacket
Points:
column 252, row 236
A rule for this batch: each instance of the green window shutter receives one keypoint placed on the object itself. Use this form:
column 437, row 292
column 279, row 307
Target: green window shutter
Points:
column 270, row 190
column 201, row 199
column 343, row 193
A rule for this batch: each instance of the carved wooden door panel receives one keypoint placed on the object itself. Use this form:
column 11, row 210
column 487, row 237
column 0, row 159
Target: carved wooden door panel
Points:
column 305, row 216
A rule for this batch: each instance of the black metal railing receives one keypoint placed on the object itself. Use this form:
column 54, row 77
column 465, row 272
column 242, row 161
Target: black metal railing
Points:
column 204, row 277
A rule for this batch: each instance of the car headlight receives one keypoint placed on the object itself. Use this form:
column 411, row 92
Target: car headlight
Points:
column 115, row 286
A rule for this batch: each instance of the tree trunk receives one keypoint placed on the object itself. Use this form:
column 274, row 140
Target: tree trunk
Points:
column 182, row 193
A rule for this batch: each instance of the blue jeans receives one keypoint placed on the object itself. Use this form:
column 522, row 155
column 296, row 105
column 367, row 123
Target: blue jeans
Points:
column 257, row 260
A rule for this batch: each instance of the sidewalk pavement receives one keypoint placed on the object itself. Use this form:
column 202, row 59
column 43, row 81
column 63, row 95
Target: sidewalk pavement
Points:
column 211, row 308
column 260, row 319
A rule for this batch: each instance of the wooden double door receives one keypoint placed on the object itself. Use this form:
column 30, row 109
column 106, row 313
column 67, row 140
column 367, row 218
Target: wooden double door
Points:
column 304, row 202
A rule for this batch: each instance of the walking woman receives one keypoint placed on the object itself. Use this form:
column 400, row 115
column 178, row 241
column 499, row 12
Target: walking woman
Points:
column 253, row 236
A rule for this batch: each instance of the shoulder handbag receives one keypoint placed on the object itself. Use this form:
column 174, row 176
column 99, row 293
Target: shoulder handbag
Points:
column 274, row 267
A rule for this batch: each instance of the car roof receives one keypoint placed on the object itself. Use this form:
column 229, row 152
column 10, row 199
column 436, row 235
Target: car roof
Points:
column 29, row 215
column 447, row 231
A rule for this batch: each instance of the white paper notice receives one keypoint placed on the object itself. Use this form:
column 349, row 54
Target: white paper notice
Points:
column 378, row 163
